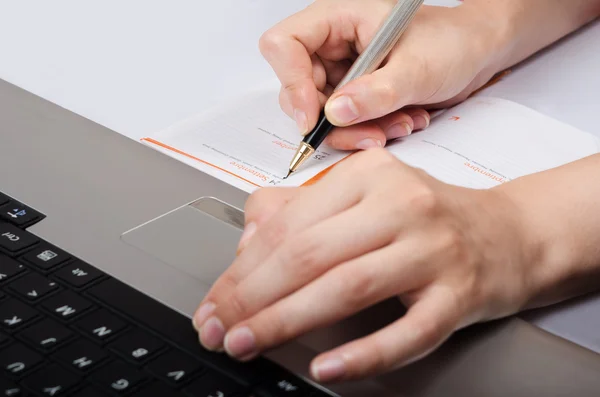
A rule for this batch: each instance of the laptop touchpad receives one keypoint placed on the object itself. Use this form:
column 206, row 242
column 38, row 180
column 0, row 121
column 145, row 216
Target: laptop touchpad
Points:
column 199, row 239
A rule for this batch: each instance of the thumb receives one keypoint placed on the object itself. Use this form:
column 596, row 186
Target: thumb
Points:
column 261, row 206
column 370, row 96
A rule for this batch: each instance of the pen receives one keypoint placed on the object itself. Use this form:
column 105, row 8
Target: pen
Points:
column 371, row 58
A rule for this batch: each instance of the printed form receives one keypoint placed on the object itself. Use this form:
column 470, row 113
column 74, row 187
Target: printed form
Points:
column 479, row 144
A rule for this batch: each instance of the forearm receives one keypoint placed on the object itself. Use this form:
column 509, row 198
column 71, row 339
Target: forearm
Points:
column 524, row 27
column 559, row 211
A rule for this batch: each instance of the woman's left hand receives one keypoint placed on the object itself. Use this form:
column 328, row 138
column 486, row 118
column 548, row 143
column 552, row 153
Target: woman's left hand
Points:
column 371, row 229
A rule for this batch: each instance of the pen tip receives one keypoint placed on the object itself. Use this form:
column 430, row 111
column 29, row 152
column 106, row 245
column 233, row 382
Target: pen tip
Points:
column 288, row 175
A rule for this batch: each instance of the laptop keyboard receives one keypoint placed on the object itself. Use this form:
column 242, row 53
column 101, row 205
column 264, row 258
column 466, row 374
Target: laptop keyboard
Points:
column 68, row 329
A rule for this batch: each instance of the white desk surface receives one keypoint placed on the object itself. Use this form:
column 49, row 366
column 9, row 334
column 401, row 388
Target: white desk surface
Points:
column 141, row 65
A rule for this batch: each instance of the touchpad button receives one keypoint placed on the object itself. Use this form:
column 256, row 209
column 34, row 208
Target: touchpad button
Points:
column 199, row 239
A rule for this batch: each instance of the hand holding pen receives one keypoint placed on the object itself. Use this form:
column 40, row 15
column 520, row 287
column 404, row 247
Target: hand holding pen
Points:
column 367, row 62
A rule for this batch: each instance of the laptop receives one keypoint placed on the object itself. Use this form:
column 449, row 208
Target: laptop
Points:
column 93, row 301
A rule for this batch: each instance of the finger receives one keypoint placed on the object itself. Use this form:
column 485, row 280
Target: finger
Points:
column 288, row 48
column 340, row 292
column 326, row 75
column 374, row 95
column 261, row 206
column 421, row 117
column 292, row 217
column 311, row 253
column 319, row 72
column 427, row 324
column 286, row 104
column 371, row 133
column 362, row 136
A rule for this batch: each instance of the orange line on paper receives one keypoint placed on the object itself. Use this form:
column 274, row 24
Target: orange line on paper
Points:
column 172, row 149
column 322, row 173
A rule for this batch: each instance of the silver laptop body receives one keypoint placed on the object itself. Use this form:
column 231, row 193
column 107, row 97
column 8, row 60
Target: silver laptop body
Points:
column 169, row 230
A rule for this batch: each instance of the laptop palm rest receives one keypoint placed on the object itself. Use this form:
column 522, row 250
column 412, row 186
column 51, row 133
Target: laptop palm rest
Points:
column 198, row 239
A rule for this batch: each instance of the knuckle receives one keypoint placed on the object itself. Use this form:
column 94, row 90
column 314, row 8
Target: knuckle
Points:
column 284, row 102
column 238, row 305
column 301, row 257
column 452, row 244
column 357, row 287
column 380, row 360
column 227, row 282
column 387, row 96
column 279, row 326
column 270, row 42
column 425, row 331
column 254, row 201
column 375, row 158
column 423, row 200
column 274, row 233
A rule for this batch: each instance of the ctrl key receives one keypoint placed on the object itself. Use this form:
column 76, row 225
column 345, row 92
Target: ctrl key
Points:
column 13, row 239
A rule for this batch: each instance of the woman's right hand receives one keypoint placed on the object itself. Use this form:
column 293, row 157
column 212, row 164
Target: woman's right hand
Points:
column 443, row 56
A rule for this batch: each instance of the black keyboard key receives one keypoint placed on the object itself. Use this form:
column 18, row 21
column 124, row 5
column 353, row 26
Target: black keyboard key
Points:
column 3, row 200
column 10, row 389
column 157, row 390
column 78, row 274
column 19, row 214
column 137, row 346
column 66, row 305
column 33, row 286
column 51, row 381
column 81, row 355
column 46, row 334
column 175, row 367
column 213, row 384
column 118, row 378
column 46, row 256
column 16, row 359
column 9, row 268
column 101, row 325
column 176, row 327
column 14, row 314
column 89, row 392
column 3, row 340
column 282, row 383
column 13, row 239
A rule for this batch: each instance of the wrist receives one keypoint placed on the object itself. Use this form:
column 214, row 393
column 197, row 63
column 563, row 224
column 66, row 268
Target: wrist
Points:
column 499, row 27
column 555, row 270
column 518, row 29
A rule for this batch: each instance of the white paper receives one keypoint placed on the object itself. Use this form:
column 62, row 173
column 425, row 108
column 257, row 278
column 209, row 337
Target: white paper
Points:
column 479, row 144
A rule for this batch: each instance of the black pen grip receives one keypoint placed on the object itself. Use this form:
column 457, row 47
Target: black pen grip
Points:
column 319, row 133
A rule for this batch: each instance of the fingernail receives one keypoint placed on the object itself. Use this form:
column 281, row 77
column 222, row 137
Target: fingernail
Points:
column 368, row 143
column 240, row 343
column 301, row 121
column 421, row 122
column 202, row 314
column 249, row 231
column 212, row 334
column 398, row 130
column 342, row 110
column 329, row 370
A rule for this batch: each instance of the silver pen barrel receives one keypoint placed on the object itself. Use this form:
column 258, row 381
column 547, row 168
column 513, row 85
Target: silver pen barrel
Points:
column 383, row 42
